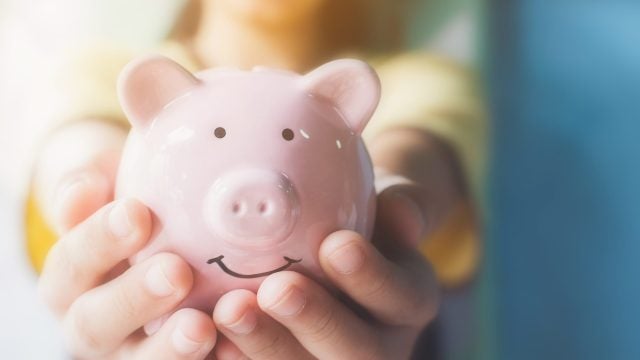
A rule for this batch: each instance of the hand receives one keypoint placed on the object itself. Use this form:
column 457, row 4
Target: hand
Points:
column 86, row 280
column 390, row 298
column 388, row 290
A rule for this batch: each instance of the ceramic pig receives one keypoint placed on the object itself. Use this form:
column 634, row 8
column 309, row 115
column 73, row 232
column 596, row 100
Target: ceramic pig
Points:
column 246, row 172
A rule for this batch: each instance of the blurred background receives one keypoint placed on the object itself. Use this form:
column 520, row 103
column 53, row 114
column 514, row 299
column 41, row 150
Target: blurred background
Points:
column 562, row 242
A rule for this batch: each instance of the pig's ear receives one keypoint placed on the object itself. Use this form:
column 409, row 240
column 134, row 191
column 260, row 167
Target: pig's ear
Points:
column 148, row 84
column 351, row 85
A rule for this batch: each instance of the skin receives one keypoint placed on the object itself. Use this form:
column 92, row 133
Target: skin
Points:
column 388, row 290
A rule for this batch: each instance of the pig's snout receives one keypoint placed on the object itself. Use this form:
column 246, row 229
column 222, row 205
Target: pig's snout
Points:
column 252, row 208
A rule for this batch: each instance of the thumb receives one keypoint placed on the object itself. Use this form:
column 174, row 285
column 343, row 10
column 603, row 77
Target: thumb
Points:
column 79, row 193
column 75, row 173
column 402, row 209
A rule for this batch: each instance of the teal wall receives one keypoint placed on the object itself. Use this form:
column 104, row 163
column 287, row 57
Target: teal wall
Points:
column 565, row 195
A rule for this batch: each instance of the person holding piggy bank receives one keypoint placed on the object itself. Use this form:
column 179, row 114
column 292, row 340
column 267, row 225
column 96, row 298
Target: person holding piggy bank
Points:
column 425, row 141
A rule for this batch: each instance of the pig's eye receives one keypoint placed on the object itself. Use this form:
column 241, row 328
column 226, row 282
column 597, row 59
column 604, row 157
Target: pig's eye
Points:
column 287, row 134
column 220, row 132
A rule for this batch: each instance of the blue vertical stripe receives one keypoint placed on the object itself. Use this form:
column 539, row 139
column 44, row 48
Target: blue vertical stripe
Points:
column 565, row 191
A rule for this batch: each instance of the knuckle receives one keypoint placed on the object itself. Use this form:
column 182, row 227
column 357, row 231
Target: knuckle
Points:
column 424, row 301
column 77, row 253
column 379, row 284
column 80, row 334
column 92, row 248
column 373, row 352
column 49, row 286
column 270, row 348
column 426, row 306
column 324, row 327
column 124, row 303
column 48, row 294
column 44, row 285
column 416, row 310
column 413, row 288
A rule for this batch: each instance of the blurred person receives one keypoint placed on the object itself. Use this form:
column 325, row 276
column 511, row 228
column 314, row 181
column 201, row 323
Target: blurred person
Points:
column 426, row 142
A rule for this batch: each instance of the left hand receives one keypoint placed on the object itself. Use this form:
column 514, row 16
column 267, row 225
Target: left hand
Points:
column 392, row 297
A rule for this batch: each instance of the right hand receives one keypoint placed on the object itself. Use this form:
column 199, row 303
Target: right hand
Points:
column 86, row 281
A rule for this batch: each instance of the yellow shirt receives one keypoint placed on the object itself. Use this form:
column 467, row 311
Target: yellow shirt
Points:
column 418, row 90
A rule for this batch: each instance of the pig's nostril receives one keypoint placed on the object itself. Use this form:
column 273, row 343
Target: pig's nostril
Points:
column 236, row 208
column 263, row 208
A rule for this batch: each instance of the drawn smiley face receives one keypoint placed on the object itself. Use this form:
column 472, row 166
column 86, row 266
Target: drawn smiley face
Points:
column 218, row 260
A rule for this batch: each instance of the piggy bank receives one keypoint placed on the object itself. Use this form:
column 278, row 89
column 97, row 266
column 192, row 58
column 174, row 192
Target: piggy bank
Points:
column 246, row 172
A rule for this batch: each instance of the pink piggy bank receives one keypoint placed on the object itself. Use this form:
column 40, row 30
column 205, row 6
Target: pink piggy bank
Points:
column 246, row 172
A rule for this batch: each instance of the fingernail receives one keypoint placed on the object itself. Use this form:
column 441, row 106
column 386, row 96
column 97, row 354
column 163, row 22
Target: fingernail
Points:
column 289, row 304
column 153, row 326
column 414, row 224
column 183, row 344
column 347, row 259
column 157, row 282
column 245, row 324
column 119, row 222
column 68, row 187
column 67, row 190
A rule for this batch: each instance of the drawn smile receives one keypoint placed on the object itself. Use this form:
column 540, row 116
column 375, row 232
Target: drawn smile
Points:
column 218, row 260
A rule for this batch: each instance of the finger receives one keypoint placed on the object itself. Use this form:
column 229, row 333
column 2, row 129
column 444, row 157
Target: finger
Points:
column 100, row 320
column 226, row 350
column 256, row 334
column 404, row 211
column 323, row 325
column 88, row 151
column 187, row 334
column 80, row 260
column 80, row 193
column 397, row 294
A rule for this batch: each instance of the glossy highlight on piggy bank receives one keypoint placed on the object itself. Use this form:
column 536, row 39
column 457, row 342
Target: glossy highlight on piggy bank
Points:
column 246, row 172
